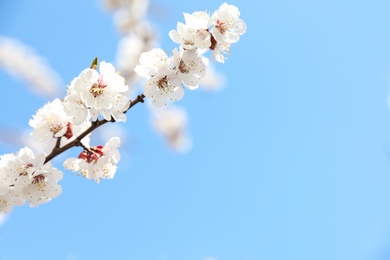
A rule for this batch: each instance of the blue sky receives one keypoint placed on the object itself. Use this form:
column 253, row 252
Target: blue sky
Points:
column 290, row 161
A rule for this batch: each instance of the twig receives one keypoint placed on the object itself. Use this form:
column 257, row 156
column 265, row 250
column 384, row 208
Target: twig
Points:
column 76, row 142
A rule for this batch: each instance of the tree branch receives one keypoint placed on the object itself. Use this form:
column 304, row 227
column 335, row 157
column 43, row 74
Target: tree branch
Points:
column 76, row 142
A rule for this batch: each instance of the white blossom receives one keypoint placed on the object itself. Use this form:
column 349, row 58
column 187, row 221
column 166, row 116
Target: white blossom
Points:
column 121, row 104
column 91, row 94
column 228, row 26
column 9, row 200
column 194, row 33
column 163, row 82
column 220, row 52
column 190, row 67
column 49, row 122
column 99, row 90
column 162, row 87
column 152, row 62
column 190, row 38
column 25, row 176
column 52, row 122
column 8, row 197
column 198, row 20
column 74, row 106
column 97, row 162
column 42, row 185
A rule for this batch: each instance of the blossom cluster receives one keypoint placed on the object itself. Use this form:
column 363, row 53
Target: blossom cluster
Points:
column 24, row 176
column 168, row 75
column 136, row 34
column 92, row 97
column 99, row 95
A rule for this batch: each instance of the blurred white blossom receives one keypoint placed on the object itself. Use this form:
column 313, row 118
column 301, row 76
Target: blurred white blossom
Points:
column 129, row 15
column 171, row 124
column 213, row 80
column 22, row 62
column 138, row 35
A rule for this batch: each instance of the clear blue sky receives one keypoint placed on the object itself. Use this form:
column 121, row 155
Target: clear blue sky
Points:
column 290, row 161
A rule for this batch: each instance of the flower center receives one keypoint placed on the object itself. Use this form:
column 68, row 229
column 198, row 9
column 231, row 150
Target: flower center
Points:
column 97, row 88
column 221, row 26
column 92, row 155
column 163, row 84
column 188, row 42
column 55, row 129
column 202, row 34
column 38, row 179
column 183, row 68
column 28, row 165
column 23, row 169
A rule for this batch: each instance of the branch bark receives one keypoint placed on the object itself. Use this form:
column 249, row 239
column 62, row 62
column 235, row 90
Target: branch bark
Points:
column 77, row 142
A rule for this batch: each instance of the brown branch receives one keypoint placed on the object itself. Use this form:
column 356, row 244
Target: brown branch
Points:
column 83, row 146
column 77, row 142
column 58, row 143
column 139, row 98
